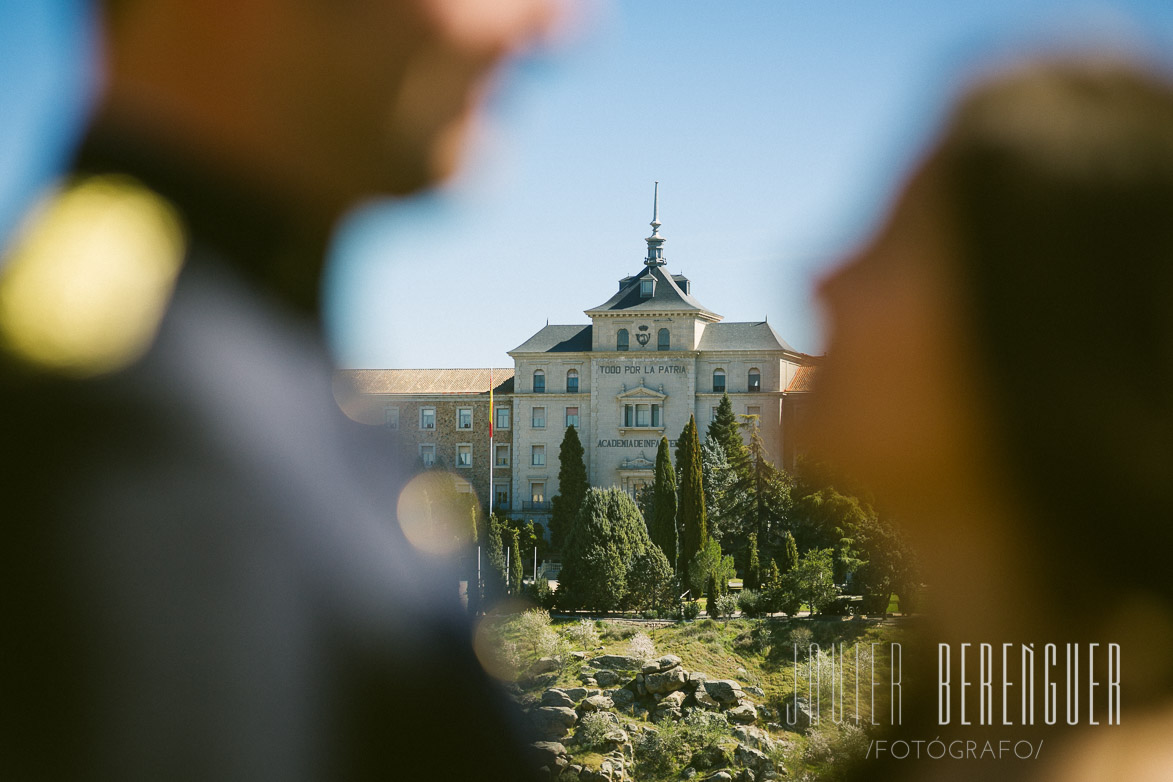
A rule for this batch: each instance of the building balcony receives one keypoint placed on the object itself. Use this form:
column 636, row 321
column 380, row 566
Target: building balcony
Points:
column 535, row 505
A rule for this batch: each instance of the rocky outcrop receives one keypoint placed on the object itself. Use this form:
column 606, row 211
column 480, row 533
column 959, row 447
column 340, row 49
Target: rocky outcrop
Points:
column 668, row 681
column 553, row 722
column 617, row 662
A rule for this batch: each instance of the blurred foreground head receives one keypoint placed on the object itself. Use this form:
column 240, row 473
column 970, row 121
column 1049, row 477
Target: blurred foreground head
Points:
column 1001, row 355
column 331, row 101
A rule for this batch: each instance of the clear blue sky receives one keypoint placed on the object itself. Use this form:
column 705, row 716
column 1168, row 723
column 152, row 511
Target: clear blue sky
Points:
column 777, row 128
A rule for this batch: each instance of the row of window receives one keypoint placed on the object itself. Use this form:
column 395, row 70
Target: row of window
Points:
column 503, row 415
column 537, row 493
column 754, row 381
column 427, row 452
column 571, row 381
column 637, row 415
column 663, row 340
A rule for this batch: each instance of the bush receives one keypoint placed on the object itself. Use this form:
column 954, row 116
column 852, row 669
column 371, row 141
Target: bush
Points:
column 750, row 603
column 641, row 646
column 726, row 605
column 582, row 635
column 658, row 752
column 535, row 635
column 540, row 594
column 593, row 729
column 840, row 606
column 690, row 610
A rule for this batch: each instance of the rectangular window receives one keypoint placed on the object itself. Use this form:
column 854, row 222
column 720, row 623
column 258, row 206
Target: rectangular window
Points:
column 428, row 454
column 655, row 415
column 464, row 418
column 464, row 455
column 502, row 414
column 501, row 459
column 427, row 418
column 537, row 491
column 539, row 419
column 391, row 417
column 642, row 416
column 538, row 455
column 754, row 410
column 572, row 384
column 718, row 384
column 628, row 415
column 501, row 496
column 572, row 417
column 539, row 383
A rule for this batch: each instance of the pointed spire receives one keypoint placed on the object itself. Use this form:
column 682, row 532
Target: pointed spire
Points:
column 655, row 241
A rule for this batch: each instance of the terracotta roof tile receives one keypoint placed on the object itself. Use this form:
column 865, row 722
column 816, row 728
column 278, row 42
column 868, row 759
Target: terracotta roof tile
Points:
column 426, row 381
column 802, row 381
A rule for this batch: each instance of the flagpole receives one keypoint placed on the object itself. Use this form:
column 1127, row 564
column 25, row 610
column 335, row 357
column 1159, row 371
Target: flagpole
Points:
column 492, row 455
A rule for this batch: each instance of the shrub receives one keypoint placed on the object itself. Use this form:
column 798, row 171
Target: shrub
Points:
column 583, row 635
column 750, row 603
column 641, row 646
column 726, row 605
column 540, row 594
column 690, row 610
column 593, row 729
column 535, row 635
column 658, row 752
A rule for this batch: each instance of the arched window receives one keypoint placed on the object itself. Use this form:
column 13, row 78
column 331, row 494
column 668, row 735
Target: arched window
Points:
column 718, row 381
column 755, row 380
column 572, row 381
column 539, row 381
column 621, row 340
column 664, row 340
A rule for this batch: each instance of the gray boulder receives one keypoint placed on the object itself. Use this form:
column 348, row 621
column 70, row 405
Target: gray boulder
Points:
column 704, row 700
column 751, row 758
column 607, row 678
column 575, row 694
column 673, row 700
column 597, row 703
column 622, row 697
column 797, row 714
column 545, row 665
column 618, row 662
column 725, row 691
column 548, row 753
column 744, row 714
column 720, row 776
column 556, row 697
column 553, row 722
column 668, row 681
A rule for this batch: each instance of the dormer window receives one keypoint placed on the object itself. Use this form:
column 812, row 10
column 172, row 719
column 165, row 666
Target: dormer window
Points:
column 647, row 286
column 621, row 342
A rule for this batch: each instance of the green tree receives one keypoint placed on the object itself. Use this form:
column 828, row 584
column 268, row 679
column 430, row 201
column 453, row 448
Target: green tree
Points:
column 651, row 583
column 710, row 560
column 711, row 595
column 719, row 482
column 663, row 526
column 753, row 568
column 789, row 553
column 726, row 430
column 812, row 582
column 604, row 542
column 572, row 488
column 516, row 565
column 493, row 561
column 691, row 510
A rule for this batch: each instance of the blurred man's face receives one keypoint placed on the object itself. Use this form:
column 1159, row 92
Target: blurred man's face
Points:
column 899, row 403
column 386, row 88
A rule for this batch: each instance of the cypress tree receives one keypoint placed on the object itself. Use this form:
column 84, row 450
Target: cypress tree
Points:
column 493, row 563
column 789, row 553
column 753, row 568
column 516, row 567
column 606, row 538
column 711, row 595
column 691, row 511
column 572, row 488
column 663, row 526
column 726, row 431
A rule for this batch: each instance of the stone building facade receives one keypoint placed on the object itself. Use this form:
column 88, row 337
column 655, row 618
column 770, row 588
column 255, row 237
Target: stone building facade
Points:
column 651, row 356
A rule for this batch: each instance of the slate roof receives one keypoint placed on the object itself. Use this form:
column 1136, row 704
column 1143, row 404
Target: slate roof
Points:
column 802, row 381
column 667, row 296
column 742, row 336
column 558, row 339
column 426, row 381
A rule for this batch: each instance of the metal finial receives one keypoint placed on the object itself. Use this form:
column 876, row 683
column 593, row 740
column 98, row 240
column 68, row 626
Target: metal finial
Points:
column 656, row 210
